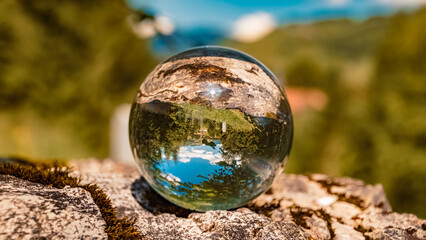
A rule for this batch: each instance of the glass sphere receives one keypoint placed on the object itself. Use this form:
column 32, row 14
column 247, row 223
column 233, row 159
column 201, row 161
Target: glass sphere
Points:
column 210, row 128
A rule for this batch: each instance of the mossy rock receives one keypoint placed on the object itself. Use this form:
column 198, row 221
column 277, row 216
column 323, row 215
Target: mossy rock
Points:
column 57, row 175
column 296, row 207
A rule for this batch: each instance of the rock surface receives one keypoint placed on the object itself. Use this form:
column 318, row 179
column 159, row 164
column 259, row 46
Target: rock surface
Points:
column 296, row 207
column 33, row 211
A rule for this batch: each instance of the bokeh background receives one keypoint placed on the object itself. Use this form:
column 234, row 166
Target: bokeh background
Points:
column 354, row 71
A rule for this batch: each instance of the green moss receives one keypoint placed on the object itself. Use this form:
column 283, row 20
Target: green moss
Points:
column 57, row 175
column 54, row 174
column 116, row 228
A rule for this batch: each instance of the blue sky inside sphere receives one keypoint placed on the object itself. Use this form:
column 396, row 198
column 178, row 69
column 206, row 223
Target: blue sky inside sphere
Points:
column 181, row 24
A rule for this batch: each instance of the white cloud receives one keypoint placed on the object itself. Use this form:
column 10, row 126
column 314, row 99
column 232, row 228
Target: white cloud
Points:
column 200, row 151
column 402, row 3
column 338, row 2
column 253, row 27
column 164, row 25
column 170, row 177
column 144, row 29
column 148, row 27
column 184, row 160
column 187, row 153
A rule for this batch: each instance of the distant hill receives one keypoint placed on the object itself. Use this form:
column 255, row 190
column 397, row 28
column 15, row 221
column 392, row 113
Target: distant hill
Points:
column 334, row 42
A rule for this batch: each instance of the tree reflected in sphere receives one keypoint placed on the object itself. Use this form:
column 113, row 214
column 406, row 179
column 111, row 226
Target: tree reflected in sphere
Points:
column 210, row 128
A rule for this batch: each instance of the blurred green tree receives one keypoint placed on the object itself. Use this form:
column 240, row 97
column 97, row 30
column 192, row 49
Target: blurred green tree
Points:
column 71, row 63
column 398, row 98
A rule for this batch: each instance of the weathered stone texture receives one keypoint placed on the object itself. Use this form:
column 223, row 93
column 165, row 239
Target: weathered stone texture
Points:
column 33, row 211
column 296, row 207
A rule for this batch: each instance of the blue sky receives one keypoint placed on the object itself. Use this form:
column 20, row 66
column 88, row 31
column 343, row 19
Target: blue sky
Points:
column 198, row 22
column 202, row 158
column 196, row 13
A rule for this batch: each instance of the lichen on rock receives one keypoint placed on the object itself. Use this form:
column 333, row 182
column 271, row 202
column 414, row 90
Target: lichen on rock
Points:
column 31, row 210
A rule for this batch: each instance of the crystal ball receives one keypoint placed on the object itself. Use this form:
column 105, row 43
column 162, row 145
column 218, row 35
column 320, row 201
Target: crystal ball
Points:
column 210, row 128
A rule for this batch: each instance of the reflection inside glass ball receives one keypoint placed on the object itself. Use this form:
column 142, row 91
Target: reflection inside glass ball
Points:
column 210, row 128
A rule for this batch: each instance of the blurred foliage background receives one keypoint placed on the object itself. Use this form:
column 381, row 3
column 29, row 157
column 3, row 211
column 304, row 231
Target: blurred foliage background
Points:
column 63, row 71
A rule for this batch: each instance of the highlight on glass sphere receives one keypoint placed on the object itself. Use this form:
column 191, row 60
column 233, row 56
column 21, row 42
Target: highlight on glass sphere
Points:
column 210, row 128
